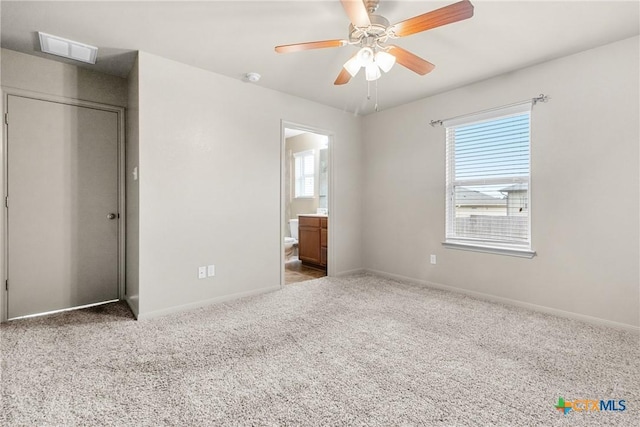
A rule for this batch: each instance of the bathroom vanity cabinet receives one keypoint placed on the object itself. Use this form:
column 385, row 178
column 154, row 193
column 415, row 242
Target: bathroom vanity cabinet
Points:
column 312, row 240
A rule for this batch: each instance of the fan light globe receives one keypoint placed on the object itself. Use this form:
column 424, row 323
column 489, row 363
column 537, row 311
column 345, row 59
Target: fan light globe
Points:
column 372, row 72
column 385, row 61
column 353, row 65
column 363, row 58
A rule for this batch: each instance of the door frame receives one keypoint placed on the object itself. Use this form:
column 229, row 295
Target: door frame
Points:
column 285, row 124
column 121, row 172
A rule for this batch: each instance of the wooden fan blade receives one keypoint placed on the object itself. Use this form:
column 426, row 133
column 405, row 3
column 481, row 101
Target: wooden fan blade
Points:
column 436, row 18
column 310, row 45
column 411, row 61
column 343, row 77
column 356, row 12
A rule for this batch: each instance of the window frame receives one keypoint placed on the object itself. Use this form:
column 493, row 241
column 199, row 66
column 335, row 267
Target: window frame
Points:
column 511, row 248
column 299, row 181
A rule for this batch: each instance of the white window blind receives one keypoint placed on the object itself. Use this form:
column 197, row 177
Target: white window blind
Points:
column 304, row 173
column 488, row 175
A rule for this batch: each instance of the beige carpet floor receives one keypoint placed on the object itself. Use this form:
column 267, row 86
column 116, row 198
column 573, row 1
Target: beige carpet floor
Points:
column 361, row 350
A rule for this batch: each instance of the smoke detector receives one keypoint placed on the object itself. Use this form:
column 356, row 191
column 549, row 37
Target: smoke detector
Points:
column 252, row 77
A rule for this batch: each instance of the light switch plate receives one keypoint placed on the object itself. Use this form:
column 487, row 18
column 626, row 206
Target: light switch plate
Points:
column 211, row 270
column 433, row 259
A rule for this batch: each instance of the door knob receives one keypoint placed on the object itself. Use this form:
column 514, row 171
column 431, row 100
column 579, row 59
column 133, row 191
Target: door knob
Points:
column 111, row 216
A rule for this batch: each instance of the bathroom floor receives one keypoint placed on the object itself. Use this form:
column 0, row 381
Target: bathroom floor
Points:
column 295, row 272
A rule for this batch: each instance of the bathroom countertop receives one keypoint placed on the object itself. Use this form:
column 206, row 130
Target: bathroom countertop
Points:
column 315, row 215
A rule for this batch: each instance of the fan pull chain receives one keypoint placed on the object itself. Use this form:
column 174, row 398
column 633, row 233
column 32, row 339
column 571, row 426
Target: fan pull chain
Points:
column 369, row 94
column 376, row 106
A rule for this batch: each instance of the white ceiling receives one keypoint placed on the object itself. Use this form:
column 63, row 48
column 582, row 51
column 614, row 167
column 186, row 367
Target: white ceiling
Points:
column 236, row 37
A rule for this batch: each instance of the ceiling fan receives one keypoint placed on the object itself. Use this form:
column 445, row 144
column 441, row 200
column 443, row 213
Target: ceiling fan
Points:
column 371, row 33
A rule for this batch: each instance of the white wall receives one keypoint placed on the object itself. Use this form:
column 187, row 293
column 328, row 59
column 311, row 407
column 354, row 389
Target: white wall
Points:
column 3, row 266
column 585, row 188
column 210, row 150
column 132, row 287
column 46, row 77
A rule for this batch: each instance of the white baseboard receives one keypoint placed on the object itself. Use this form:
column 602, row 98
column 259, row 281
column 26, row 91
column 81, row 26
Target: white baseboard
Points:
column 350, row 272
column 203, row 303
column 492, row 298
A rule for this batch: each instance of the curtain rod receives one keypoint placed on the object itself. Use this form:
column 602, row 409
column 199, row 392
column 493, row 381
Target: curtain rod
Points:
column 540, row 98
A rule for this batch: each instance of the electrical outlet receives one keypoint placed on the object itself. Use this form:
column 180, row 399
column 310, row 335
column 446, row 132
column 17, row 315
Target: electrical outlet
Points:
column 202, row 272
column 433, row 259
column 211, row 270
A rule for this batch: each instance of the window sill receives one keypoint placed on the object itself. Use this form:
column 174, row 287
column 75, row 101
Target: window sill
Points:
column 521, row 253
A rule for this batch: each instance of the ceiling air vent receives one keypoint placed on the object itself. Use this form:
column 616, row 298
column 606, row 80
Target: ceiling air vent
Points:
column 68, row 48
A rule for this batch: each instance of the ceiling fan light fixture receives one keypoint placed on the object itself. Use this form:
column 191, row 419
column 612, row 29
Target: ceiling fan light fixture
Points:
column 385, row 61
column 371, row 32
column 372, row 72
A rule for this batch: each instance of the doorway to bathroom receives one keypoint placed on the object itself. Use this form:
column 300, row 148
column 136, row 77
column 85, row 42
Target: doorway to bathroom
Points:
column 306, row 203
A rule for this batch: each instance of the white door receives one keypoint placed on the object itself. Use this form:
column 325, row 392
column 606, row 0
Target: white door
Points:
column 62, row 187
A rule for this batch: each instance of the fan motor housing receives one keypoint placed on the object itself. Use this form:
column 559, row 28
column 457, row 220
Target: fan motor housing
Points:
column 378, row 27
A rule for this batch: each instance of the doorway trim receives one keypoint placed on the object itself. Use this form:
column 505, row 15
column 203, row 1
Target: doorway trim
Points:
column 120, row 112
column 285, row 124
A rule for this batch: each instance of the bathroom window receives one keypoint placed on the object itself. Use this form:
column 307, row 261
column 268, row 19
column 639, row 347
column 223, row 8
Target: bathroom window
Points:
column 304, row 174
column 488, row 175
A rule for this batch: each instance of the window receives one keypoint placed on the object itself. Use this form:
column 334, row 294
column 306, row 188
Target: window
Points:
column 304, row 174
column 488, row 175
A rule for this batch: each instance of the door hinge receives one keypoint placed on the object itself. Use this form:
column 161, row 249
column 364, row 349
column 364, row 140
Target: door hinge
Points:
column 6, row 285
column 6, row 118
column 6, row 202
